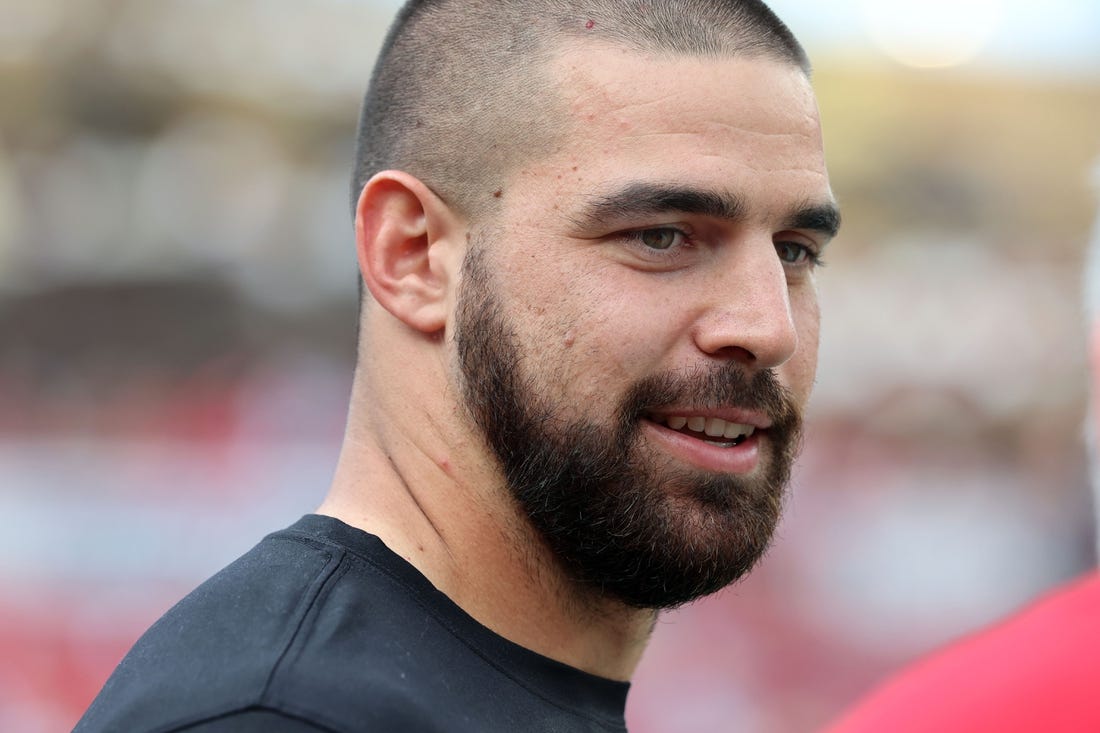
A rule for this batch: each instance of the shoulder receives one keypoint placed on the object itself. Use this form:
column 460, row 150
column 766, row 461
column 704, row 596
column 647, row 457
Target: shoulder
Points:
column 335, row 632
column 297, row 632
column 216, row 649
column 1035, row 670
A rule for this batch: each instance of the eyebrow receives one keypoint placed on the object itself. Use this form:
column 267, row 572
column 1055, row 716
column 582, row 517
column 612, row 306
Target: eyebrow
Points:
column 822, row 218
column 643, row 199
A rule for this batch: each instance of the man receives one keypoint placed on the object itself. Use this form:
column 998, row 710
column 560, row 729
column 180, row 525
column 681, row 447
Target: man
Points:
column 587, row 233
column 1035, row 671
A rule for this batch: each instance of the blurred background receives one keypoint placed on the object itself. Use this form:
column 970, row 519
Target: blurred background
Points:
column 177, row 316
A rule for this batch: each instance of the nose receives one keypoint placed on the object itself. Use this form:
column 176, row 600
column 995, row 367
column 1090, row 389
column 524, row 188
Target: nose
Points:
column 748, row 314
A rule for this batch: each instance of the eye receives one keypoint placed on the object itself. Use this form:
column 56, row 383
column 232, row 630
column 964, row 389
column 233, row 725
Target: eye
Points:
column 660, row 239
column 796, row 253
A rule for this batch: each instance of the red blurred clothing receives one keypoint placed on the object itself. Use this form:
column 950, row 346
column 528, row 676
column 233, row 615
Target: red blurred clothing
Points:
column 1038, row 670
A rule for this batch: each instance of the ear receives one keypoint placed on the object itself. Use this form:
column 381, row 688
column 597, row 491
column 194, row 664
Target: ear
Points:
column 409, row 245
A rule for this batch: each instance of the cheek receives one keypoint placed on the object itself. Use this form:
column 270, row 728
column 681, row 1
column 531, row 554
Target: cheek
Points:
column 597, row 349
column 557, row 320
column 589, row 341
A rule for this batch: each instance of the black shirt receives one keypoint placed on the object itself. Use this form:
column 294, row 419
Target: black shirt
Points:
column 321, row 627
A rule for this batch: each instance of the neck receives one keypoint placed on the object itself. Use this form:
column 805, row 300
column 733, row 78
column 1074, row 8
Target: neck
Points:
column 428, row 490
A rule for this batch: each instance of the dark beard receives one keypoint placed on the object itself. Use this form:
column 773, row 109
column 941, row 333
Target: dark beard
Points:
column 649, row 536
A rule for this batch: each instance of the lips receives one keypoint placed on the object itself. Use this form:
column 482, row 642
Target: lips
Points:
column 700, row 440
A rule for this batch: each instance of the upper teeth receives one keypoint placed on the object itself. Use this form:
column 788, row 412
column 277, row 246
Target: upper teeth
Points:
column 712, row 426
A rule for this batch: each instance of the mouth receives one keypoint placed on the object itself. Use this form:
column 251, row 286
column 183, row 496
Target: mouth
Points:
column 711, row 430
column 729, row 445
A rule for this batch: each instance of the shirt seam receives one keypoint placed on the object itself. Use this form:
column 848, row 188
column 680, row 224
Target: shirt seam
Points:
column 283, row 711
column 328, row 574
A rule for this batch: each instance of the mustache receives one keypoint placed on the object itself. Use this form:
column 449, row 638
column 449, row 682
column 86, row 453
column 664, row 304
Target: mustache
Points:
column 721, row 385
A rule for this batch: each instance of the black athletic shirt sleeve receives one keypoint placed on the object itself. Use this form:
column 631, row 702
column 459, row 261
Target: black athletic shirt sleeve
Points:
column 323, row 629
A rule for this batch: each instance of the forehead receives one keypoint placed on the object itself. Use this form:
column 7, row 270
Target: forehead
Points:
column 745, row 125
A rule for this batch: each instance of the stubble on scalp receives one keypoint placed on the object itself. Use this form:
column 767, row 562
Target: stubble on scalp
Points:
column 462, row 95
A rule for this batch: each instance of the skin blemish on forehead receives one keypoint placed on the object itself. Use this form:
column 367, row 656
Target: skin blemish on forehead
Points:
column 498, row 193
column 590, row 24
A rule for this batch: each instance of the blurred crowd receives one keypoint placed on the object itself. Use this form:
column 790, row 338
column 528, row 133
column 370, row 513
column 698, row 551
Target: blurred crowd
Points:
column 177, row 324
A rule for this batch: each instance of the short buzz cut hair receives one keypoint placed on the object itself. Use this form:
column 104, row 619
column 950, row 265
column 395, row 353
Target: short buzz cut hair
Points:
column 460, row 95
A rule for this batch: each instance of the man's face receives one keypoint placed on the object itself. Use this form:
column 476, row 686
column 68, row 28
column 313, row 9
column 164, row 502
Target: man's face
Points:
column 637, row 329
